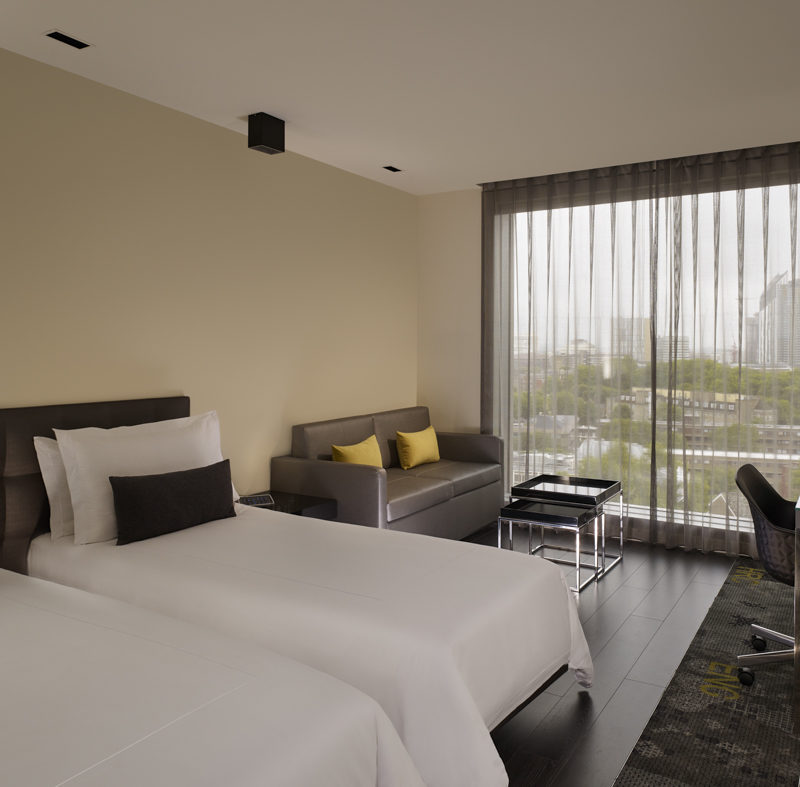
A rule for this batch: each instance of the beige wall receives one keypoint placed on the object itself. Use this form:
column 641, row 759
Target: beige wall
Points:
column 450, row 308
column 144, row 253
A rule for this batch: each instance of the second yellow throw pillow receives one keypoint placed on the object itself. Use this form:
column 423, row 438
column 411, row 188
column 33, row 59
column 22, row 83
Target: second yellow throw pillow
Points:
column 367, row 452
column 417, row 448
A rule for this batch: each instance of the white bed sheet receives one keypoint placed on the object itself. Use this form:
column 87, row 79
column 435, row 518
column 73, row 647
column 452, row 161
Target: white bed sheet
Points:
column 449, row 637
column 96, row 692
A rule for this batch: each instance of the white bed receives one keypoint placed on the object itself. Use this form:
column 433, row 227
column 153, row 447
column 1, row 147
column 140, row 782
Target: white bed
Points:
column 97, row 692
column 449, row 637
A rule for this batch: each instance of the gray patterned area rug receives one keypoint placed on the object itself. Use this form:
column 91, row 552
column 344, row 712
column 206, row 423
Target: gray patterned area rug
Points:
column 710, row 730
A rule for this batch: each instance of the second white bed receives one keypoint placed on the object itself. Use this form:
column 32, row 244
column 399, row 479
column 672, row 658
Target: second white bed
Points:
column 449, row 637
column 96, row 692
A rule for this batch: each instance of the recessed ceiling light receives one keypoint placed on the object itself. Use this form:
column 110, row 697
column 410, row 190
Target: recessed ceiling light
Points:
column 57, row 35
column 392, row 169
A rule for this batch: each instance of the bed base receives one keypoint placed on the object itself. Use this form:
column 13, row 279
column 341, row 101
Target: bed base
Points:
column 549, row 682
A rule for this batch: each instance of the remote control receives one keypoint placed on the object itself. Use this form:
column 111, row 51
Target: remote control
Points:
column 260, row 500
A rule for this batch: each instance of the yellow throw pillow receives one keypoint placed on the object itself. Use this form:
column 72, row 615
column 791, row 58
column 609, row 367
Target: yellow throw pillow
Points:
column 417, row 448
column 367, row 452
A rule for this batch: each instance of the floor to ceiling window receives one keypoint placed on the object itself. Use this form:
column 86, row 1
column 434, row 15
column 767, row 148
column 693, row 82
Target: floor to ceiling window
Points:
column 642, row 323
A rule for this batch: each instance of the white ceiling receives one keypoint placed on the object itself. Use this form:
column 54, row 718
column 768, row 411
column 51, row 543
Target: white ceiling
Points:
column 454, row 92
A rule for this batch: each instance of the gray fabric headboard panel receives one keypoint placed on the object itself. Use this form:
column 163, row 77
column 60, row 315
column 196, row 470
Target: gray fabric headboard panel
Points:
column 24, row 510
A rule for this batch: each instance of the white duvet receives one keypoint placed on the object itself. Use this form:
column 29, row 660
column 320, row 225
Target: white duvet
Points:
column 97, row 692
column 448, row 637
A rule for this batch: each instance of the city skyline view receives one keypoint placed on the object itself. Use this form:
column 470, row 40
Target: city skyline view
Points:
column 563, row 311
column 658, row 342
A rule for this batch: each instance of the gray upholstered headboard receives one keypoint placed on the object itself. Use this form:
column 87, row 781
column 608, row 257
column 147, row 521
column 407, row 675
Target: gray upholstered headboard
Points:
column 24, row 510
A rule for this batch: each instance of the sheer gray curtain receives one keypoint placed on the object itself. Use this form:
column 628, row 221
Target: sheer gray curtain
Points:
column 642, row 323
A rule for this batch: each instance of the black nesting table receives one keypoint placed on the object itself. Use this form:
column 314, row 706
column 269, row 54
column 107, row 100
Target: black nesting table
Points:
column 566, row 503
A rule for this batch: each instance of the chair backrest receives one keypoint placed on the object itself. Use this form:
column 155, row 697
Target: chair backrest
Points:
column 773, row 520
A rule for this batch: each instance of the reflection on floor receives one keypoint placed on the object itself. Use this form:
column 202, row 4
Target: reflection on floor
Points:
column 639, row 620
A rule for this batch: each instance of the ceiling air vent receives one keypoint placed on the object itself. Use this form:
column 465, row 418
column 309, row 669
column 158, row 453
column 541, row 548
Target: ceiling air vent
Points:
column 392, row 169
column 57, row 35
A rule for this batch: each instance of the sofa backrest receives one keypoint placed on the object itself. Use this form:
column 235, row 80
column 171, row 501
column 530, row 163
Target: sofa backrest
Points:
column 314, row 440
column 388, row 423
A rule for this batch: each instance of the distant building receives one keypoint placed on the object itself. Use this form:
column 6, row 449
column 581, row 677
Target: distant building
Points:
column 632, row 338
column 698, row 413
column 578, row 352
column 677, row 347
column 751, row 340
column 779, row 438
column 777, row 324
column 714, row 409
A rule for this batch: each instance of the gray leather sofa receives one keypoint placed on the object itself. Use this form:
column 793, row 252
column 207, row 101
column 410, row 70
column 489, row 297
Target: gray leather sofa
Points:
column 450, row 498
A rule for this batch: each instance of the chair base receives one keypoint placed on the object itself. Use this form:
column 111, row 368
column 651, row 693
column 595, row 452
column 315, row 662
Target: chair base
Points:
column 770, row 656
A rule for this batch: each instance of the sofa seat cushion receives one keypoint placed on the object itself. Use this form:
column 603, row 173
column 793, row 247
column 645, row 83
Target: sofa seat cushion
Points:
column 406, row 494
column 464, row 476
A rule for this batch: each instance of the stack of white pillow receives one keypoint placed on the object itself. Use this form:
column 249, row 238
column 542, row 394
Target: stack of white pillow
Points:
column 76, row 467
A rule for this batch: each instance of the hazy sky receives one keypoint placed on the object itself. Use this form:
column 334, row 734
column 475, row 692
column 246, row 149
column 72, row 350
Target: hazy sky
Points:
column 572, row 313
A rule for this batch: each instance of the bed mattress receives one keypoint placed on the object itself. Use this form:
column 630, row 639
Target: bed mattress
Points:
column 96, row 692
column 448, row 637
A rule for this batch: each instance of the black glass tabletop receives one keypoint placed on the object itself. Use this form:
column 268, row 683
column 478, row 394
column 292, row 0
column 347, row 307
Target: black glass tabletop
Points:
column 550, row 513
column 567, row 489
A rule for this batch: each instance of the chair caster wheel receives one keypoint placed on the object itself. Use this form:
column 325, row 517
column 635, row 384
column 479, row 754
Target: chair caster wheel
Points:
column 758, row 643
column 746, row 676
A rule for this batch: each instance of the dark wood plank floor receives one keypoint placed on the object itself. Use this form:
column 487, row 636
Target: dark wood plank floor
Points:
column 639, row 621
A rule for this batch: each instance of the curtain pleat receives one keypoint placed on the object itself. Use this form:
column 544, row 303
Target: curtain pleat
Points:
column 708, row 540
column 654, row 278
column 732, row 541
column 795, row 341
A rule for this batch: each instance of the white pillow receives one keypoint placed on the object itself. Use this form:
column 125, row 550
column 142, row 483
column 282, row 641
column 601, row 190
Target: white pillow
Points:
column 55, row 482
column 91, row 455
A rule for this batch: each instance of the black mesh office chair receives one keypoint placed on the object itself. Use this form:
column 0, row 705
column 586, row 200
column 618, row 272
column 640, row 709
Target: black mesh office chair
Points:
column 774, row 522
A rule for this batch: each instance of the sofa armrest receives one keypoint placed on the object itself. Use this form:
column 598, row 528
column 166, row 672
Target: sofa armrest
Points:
column 359, row 490
column 463, row 447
